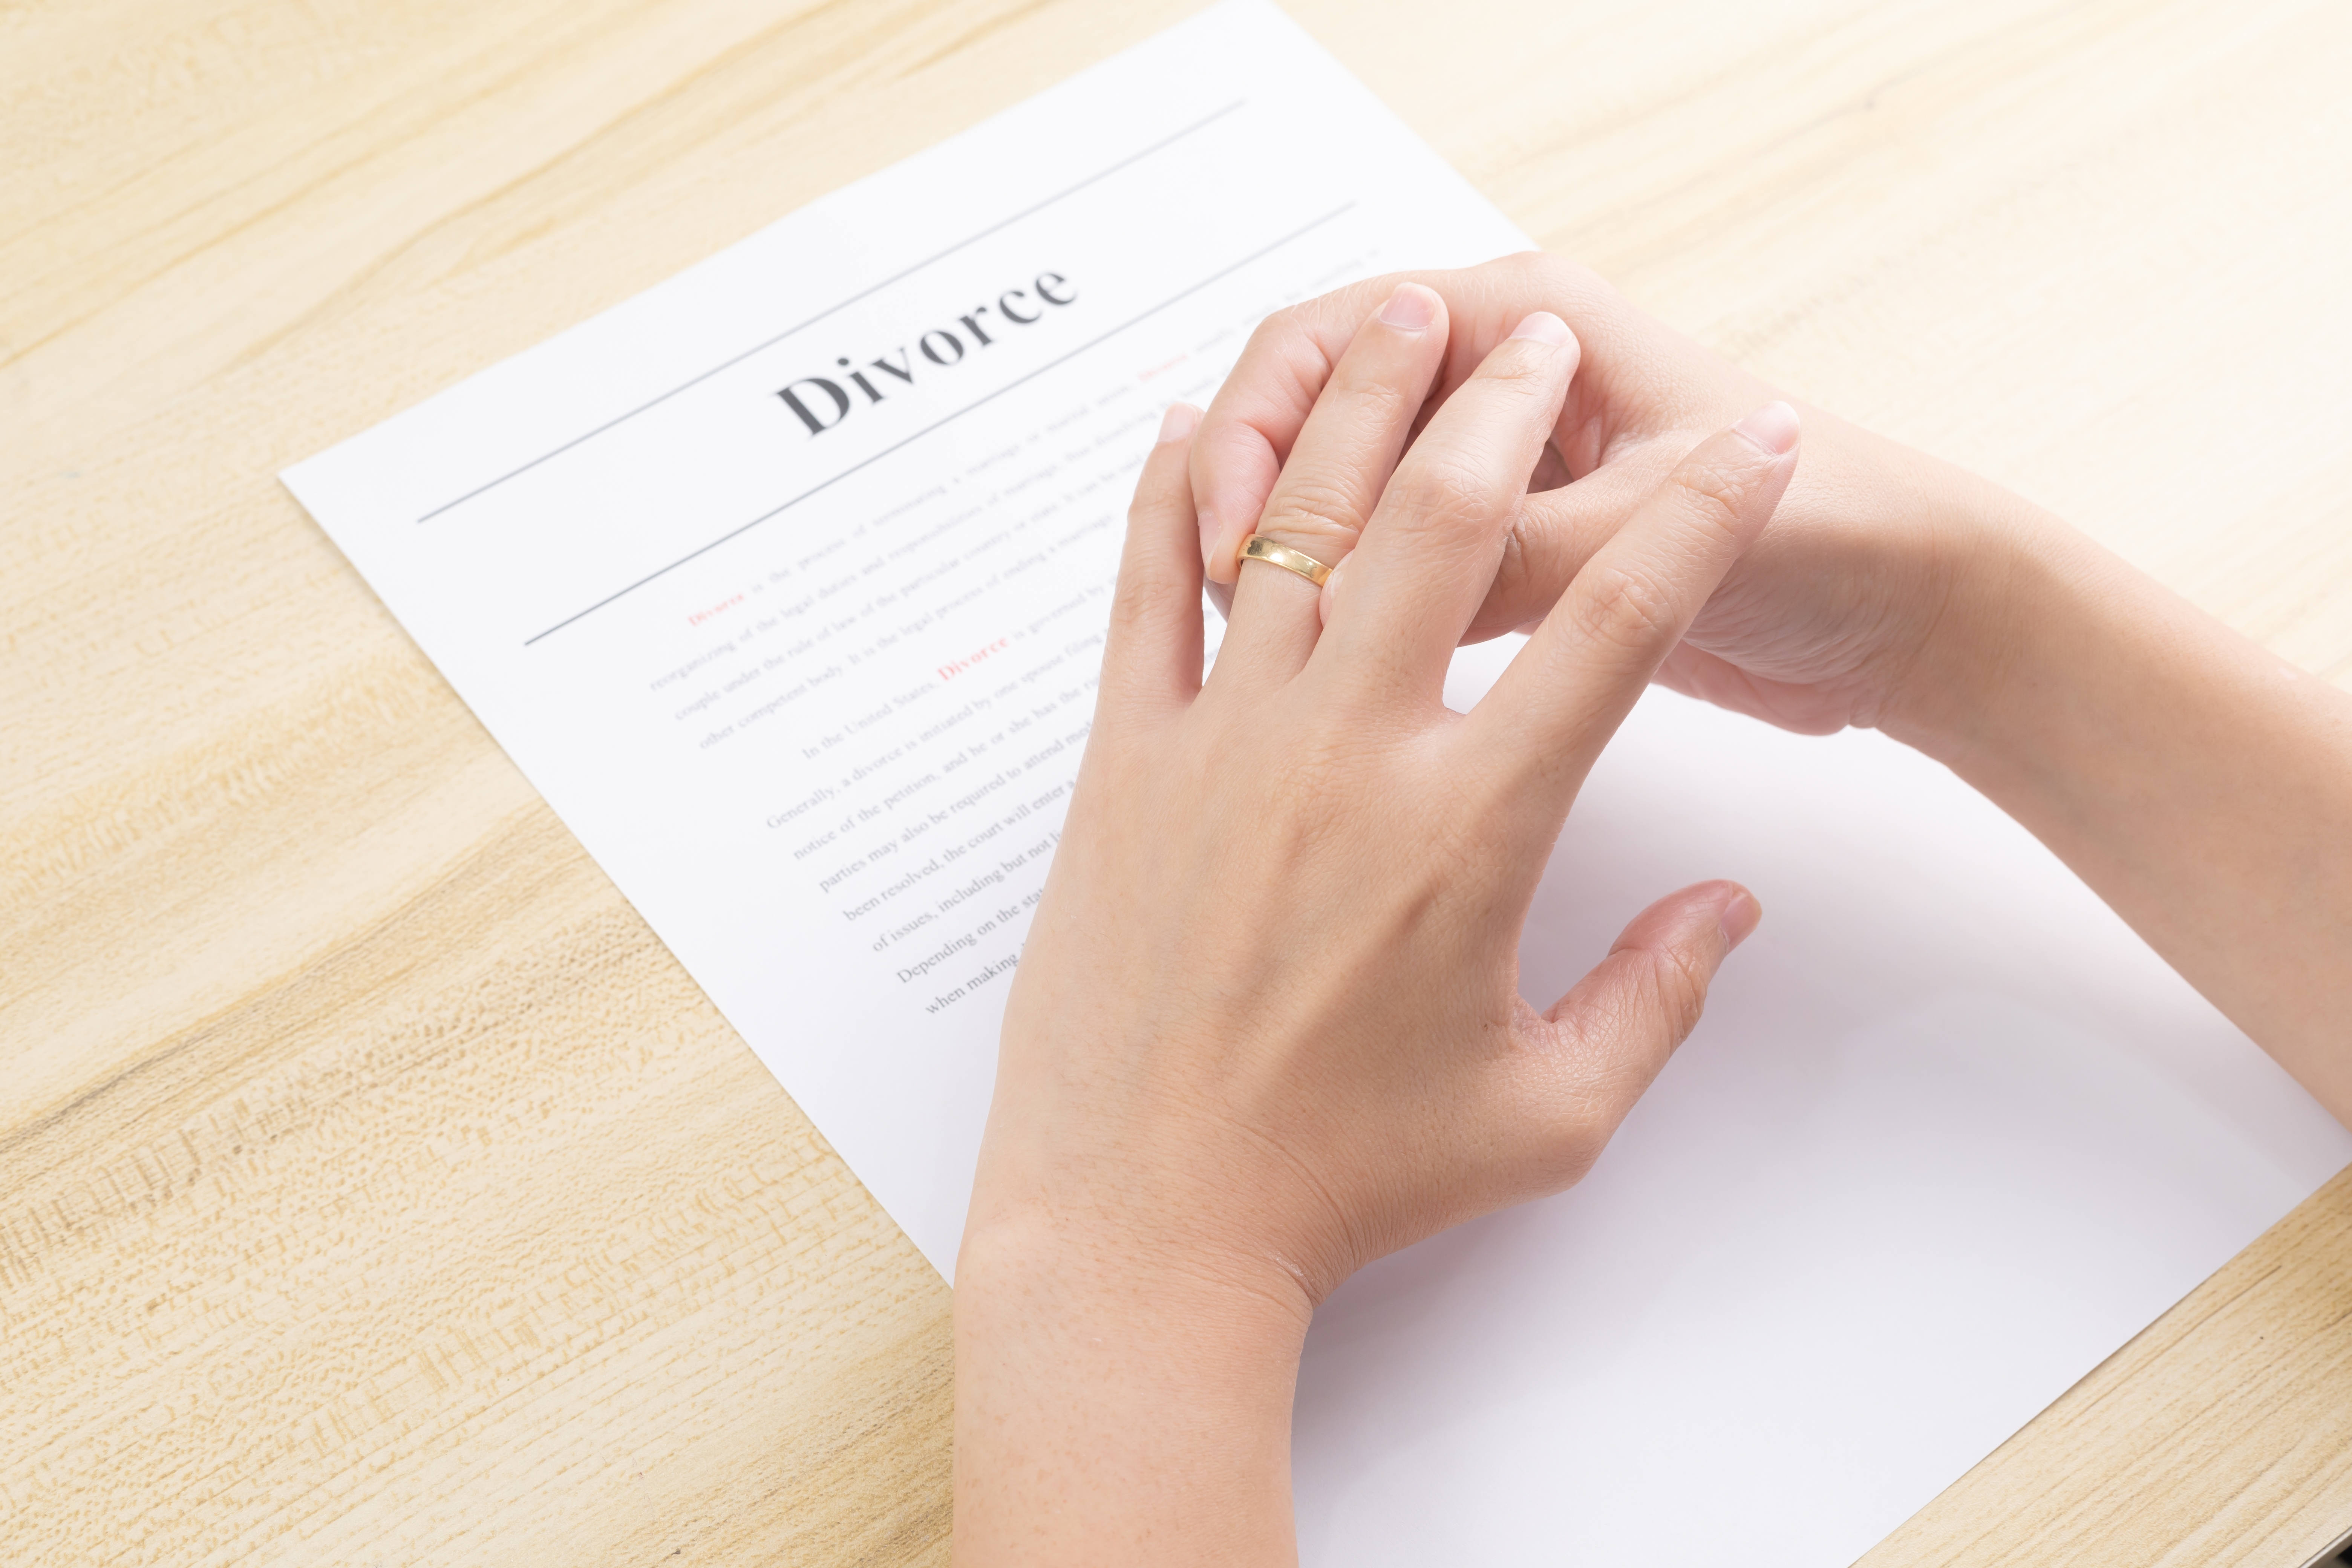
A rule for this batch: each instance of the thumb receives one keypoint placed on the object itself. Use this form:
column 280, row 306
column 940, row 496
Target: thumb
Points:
column 1600, row 1046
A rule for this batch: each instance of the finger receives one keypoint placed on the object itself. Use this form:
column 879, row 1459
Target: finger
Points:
column 1151, row 652
column 1551, row 538
column 1430, row 555
column 1259, row 411
column 1556, row 532
column 1333, row 481
column 1563, row 695
column 1590, row 1058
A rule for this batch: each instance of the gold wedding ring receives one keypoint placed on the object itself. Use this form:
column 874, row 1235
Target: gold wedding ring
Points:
column 1258, row 547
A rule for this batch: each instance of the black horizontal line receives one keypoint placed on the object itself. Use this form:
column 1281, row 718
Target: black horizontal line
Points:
column 839, row 305
column 949, row 418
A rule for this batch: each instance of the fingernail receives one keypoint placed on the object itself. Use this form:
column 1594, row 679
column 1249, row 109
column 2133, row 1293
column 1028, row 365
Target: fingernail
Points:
column 1543, row 327
column 1181, row 420
column 1773, row 427
column 1740, row 918
column 1410, row 308
column 1211, row 528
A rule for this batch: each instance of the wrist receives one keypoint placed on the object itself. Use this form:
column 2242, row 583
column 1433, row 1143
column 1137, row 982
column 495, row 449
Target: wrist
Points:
column 1105, row 1389
column 2059, row 681
column 1174, row 1284
column 1994, row 599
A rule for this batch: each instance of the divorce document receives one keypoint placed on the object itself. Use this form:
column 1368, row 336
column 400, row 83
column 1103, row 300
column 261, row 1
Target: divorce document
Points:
column 785, row 583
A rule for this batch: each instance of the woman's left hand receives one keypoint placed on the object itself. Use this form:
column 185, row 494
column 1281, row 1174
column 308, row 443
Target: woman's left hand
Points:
column 1267, row 1026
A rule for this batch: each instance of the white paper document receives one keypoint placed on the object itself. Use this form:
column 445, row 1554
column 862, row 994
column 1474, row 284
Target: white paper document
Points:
column 785, row 583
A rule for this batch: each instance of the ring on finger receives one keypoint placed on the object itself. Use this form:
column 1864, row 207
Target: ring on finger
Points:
column 1259, row 547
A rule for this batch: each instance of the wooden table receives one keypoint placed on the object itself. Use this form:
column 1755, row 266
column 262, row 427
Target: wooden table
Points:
column 373, row 1186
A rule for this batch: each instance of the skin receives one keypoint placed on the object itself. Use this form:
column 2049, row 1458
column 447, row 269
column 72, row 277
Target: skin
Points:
column 2198, row 783
column 1267, row 1026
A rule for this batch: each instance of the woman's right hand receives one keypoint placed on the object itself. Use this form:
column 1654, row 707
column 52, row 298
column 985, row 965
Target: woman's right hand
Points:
column 1846, row 612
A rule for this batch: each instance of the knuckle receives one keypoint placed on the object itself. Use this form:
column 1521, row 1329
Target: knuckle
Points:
column 1514, row 571
column 1525, row 373
column 1527, row 578
column 1135, row 609
column 1678, row 983
column 1443, row 488
column 1622, row 605
column 1369, row 391
column 1517, row 384
column 1714, row 493
column 1310, row 508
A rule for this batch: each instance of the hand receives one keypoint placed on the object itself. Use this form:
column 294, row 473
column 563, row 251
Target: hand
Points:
column 2198, row 784
column 1267, row 1024
column 1839, row 615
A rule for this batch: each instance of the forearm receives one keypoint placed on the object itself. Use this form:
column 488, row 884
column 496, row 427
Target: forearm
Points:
column 1112, row 1412
column 2197, row 783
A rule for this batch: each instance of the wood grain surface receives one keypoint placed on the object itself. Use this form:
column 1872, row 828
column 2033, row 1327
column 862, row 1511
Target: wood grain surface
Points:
column 374, row 1188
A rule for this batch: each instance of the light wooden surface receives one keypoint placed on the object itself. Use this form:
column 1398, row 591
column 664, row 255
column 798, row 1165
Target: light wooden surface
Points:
column 374, row 1188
